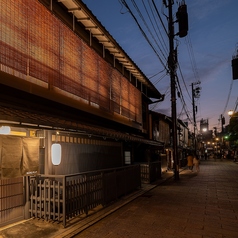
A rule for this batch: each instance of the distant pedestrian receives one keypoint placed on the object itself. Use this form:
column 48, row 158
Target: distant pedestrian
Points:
column 199, row 154
column 232, row 155
column 235, row 155
column 196, row 163
column 190, row 161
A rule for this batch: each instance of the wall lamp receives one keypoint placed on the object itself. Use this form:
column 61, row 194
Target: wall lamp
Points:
column 56, row 152
column 5, row 130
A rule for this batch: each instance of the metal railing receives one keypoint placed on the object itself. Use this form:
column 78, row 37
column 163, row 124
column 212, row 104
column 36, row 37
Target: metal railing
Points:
column 62, row 197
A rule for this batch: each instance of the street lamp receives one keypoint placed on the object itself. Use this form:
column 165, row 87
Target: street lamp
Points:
column 230, row 113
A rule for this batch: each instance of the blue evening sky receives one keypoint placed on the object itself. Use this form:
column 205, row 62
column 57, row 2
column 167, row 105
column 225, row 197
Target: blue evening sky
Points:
column 204, row 54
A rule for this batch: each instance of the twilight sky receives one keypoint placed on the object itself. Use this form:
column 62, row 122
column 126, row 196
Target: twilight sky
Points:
column 204, row 54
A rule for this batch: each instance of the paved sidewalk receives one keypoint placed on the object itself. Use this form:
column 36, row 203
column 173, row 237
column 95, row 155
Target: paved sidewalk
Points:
column 203, row 204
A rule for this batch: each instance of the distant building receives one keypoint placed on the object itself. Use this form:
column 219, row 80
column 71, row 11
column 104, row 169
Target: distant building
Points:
column 204, row 125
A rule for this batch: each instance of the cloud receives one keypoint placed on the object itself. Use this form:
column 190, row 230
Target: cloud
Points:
column 203, row 9
column 211, row 70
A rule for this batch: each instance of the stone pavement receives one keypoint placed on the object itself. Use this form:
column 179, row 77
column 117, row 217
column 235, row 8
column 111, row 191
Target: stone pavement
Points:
column 203, row 205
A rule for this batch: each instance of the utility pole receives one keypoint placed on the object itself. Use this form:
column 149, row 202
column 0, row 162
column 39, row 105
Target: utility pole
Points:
column 182, row 19
column 222, row 123
column 172, row 69
column 194, row 118
column 195, row 94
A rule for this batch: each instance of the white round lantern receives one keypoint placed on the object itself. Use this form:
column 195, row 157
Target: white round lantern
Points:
column 56, row 154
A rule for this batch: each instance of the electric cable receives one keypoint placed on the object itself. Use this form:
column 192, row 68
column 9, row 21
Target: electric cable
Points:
column 156, row 74
column 147, row 27
column 160, row 18
column 228, row 98
column 161, row 77
column 143, row 33
column 191, row 57
column 161, row 38
column 182, row 100
column 184, row 81
column 236, row 104
column 146, row 21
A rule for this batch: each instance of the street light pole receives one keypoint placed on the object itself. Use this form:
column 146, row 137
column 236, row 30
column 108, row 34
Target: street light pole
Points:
column 194, row 118
column 172, row 69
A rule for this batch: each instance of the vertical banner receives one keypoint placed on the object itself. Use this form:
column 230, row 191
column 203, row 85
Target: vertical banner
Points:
column 30, row 161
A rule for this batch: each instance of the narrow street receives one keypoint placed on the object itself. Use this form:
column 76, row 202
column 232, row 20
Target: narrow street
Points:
column 203, row 204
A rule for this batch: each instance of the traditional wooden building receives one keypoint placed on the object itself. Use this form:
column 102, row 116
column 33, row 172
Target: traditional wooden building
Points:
column 66, row 83
column 183, row 143
column 161, row 131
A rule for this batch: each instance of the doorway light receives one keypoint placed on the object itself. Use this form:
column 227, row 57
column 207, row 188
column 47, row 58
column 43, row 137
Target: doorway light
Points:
column 56, row 154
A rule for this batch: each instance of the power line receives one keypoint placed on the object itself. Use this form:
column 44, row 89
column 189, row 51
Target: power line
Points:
column 184, row 81
column 162, row 41
column 145, row 18
column 161, row 77
column 147, row 26
column 183, row 101
column 156, row 74
column 191, row 57
column 124, row 2
column 160, row 18
column 236, row 104
column 228, row 98
column 151, row 31
column 166, row 93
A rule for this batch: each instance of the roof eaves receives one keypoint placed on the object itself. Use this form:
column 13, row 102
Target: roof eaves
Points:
column 91, row 23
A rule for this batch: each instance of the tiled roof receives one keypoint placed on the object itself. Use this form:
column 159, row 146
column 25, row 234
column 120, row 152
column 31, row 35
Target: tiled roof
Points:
column 24, row 118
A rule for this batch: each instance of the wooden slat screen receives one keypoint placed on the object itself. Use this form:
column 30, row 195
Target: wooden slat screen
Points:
column 104, row 76
column 116, row 90
column 90, row 68
column 164, row 132
column 43, row 43
column 35, row 42
column 137, row 101
column 69, row 55
column 11, row 200
column 133, row 104
column 125, row 94
column 13, row 35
